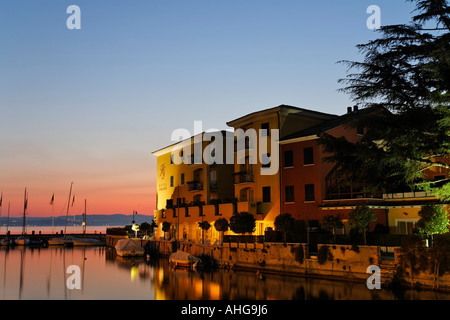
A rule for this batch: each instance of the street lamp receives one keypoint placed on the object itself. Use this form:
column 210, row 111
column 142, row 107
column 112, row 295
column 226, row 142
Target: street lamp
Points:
column 135, row 227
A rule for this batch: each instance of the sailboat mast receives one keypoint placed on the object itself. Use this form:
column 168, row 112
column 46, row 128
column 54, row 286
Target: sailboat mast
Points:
column 1, row 206
column 84, row 218
column 25, row 200
column 68, row 205
column 7, row 221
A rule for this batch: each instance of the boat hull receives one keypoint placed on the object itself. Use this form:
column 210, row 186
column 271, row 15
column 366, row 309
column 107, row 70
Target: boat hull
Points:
column 22, row 242
column 60, row 242
column 128, row 248
column 130, row 253
column 87, row 242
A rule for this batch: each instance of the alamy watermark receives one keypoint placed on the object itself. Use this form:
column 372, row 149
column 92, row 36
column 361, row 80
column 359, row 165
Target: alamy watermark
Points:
column 251, row 146
column 374, row 281
column 74, row 280
column 374, row 21
column 74, row 20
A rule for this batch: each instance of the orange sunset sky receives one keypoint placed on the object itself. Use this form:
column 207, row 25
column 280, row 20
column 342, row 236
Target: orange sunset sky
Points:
column 90, row 105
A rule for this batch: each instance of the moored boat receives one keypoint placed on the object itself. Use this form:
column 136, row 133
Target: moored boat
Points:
column 22, row 241
column 6, row 242
column 129, row 248
column 185, row 260
column 60, row 241
column 87, row 242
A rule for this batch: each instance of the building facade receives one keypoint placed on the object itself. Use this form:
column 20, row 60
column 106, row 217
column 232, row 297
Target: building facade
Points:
column 277, row 166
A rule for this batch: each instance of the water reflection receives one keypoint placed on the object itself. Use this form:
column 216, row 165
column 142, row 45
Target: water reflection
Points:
column 40, row 273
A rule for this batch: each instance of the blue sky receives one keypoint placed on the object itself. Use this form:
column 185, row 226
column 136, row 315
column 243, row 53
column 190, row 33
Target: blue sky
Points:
column 91, row 105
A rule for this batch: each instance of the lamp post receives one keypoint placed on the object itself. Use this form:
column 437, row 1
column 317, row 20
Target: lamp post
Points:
column 135, row 227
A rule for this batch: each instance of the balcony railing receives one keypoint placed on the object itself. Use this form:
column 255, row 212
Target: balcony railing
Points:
column 243, row 177
column 195, row 185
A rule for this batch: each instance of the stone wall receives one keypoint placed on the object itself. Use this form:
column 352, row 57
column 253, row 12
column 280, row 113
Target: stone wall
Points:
column 343, row 261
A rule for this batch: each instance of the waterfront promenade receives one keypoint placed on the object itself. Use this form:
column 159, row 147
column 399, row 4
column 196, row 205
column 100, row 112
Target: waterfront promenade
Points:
column 341, row 262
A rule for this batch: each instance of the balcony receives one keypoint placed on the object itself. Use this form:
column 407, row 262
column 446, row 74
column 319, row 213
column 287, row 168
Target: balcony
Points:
column 195, row 185
column 247, row 206
column 243, row 177
column 408, row 195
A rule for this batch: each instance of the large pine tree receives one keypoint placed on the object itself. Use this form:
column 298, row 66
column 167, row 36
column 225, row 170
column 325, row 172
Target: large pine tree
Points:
column 405, row 79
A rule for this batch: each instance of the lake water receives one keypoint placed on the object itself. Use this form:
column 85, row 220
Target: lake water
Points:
column 41, row 274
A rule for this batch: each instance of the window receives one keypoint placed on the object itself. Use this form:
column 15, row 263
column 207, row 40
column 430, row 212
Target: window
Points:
column 308, row 156
column 289, row 194
column 405, row 227
column 182, row 179
column 171, row 181
column 309, row 192
column 288, row 158
column 266, row 194
column 213, row 178
column 265, row 129
column 360, row 130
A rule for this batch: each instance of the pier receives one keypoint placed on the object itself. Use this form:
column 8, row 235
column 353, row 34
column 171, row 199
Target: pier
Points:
column 44, row 237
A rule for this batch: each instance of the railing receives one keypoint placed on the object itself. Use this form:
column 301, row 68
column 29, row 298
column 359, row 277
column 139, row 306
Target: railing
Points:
column 195, row 185
column 243, row 177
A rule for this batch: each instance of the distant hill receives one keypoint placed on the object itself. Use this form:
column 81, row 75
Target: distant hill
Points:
column 91, row 220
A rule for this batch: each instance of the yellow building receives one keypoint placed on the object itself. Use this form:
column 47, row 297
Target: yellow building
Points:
column 403, row 207
column 190, row 191
column 257, row 192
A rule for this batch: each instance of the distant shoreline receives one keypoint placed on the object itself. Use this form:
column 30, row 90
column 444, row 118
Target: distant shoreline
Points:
column 97, row 220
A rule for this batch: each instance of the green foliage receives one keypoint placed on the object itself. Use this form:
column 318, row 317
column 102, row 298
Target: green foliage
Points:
column 284, row 222
column 403, row 87
column 166, row 226
column 148, row 227
column 413, row 256
column 204, row 225
column 221, row 224
column 332, row 222
column 360, row 217
column 242, row 222
column 433, row 220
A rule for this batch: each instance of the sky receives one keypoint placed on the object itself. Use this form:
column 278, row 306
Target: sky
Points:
column 90, row 105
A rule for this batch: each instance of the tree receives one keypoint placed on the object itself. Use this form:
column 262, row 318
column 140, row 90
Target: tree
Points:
column 222, row 226
column 331, row 223
column 413, row 255
column 439, row 259
column 242, row 222
column 285, row 223
column 165, row 227
column 148, row 227
column 433, row 220
column 404, row 81
column 204, row 225
column 360, row 217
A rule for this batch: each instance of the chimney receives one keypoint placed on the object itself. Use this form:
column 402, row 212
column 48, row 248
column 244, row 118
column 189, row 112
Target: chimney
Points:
column 355, row 107
column 349, row 109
